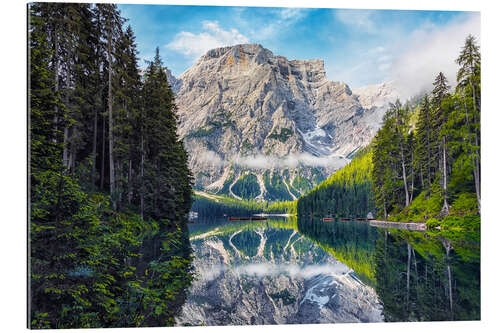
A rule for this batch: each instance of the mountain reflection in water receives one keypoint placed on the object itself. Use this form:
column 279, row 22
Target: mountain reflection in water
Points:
column 284, row 271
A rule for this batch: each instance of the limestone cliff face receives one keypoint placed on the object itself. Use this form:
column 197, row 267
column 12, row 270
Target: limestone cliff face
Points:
column 242, row 105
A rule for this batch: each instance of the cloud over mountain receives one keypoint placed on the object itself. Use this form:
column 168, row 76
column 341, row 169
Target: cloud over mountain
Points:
column 194, row 45
column 428, row 51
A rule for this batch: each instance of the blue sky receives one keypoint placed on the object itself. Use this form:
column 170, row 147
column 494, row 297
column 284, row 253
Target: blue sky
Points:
column 359, row 47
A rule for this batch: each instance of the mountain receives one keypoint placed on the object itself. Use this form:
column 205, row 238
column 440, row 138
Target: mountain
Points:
column 376, row 95
column 258, row 125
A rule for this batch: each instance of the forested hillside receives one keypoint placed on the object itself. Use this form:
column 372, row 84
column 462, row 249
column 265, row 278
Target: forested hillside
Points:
column 424, row 164
column 426, row 159
column 109, row 183
column 211, row 206
column 347, row 193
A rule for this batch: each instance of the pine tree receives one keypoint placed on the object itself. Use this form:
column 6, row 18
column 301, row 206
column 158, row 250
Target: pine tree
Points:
column 424, row 147
column 167, row 178
column 111, row 29
column 439, row 94
column 127, row 108
column 469, row 80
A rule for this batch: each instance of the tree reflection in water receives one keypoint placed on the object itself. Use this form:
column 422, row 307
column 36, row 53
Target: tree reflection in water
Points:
column 417, row 276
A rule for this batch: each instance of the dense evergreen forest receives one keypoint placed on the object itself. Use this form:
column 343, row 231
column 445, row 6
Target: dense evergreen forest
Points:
column 426, row 160
column 212, row 206
column 424, row 164
column 109, row 185
column 347, row 193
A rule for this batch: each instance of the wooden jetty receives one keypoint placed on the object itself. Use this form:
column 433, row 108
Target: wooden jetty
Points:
column 414, row 226
column 252, row 218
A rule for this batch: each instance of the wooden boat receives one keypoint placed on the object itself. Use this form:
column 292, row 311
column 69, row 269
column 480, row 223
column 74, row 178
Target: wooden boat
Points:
column 237, row 218
column 345, row 219
column 361, row 219
column 328, row 219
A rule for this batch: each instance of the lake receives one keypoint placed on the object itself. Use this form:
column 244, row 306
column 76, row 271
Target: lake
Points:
column 292, row 271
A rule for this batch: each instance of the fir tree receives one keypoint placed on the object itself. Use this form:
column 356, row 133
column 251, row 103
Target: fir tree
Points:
column 439, row 94
column 469, row 81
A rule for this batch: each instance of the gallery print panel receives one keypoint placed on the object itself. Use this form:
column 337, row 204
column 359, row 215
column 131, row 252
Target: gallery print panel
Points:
column 218, row 165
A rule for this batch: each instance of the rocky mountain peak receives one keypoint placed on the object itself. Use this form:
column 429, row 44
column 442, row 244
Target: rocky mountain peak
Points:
column 245, row 112
column 376, row 95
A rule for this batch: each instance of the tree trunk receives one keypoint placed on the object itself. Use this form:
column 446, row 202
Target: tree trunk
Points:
column 412, row 177
column 407, row 197
column 71, row 154
column 65, row 148
column 475, row 160
column 447, row 247
column 66, row 144
column 94, row 149
column 142, row 176
column 385, row 210
column 103, row 154
column 477, row 180
column 416, row 269
column 129, row 181
column 110, row 122
column 56, row 83
column 446, row 208
column 422, row 178
column 408, row 277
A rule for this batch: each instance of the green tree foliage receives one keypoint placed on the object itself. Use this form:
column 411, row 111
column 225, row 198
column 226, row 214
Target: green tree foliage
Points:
column 347, row 193
column 102, row 146
column 424, row 160
column 246, row 187
column 442, row 150
column 167, row 181
column 275, row 186
column 215, row 206
column 469, row 89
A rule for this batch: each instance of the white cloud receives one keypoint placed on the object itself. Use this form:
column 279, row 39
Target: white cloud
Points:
column 285, row 17
column 273, row 270
column 261, row 161
column 378, row 49
column 290, row 161
column 384, row 58
column 358, row 19
column 212, row 36
column 291, row 14
column 211, row 158
column 384, row 66
column 428, row 51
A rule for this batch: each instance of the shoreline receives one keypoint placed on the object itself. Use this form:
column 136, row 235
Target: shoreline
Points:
column 414, row 226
